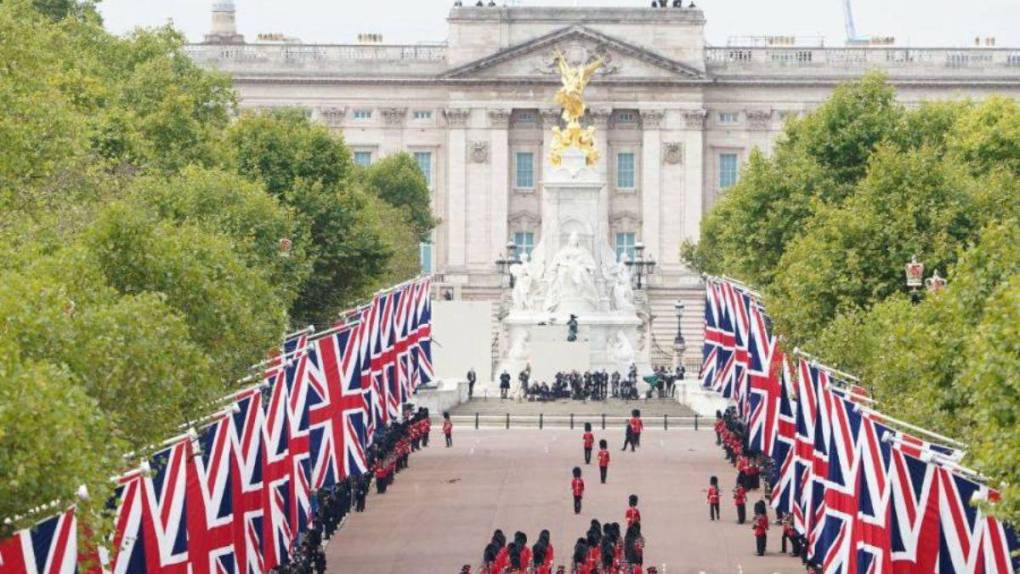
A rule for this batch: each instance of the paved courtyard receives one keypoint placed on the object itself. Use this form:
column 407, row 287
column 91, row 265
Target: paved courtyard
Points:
column 440, row 513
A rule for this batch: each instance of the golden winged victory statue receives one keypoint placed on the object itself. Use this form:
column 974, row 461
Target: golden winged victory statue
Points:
column 571, row 97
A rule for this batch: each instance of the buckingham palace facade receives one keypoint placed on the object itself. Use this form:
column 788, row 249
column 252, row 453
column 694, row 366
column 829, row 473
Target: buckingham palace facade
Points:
column 674, row 118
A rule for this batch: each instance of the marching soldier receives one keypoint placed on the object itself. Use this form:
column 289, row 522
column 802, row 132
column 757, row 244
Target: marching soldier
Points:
column 577, row 488
column 448, row 429
column 761, row 526
column 589, row 440
column 603, row 459
column 633, row 515
column 740, row 501
column 713, row 498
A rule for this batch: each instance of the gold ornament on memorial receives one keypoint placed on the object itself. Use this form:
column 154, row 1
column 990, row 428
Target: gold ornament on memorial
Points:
column 571, row 97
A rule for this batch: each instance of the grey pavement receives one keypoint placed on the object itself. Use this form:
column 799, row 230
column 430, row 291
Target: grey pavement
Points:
column 440, row 513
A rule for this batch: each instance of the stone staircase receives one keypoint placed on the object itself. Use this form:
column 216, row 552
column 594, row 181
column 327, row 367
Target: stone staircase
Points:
column 661, row 301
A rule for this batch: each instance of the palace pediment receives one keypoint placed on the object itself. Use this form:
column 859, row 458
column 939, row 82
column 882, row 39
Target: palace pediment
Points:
column 534, row 60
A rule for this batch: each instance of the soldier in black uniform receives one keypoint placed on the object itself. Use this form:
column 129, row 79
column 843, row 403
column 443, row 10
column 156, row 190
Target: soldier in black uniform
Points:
column 504, row 384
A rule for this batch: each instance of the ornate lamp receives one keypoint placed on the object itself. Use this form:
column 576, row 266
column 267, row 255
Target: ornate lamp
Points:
column 915, row 278
column 935, row 283
column 508, row 259
column 284, row 246
column 679, row 345
column 639, row 265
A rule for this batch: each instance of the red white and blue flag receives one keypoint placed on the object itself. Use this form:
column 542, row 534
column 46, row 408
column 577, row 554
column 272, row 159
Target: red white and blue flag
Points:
column 49, row 547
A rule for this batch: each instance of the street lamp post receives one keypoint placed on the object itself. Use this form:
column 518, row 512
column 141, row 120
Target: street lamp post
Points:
column 640, row 265
column 508, row 259
column 679, row 345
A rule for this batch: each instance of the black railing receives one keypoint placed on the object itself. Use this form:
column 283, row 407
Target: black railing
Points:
column 572, row 421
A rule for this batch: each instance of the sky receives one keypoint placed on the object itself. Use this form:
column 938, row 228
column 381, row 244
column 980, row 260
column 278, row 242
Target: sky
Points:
column 933, row 23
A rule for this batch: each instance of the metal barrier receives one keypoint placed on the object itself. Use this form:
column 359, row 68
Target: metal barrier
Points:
column 541, row 421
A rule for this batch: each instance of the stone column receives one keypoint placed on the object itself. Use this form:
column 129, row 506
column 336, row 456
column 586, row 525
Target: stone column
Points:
column 550, row 119
column 499, row 171
column 456, row 204
column 394, row 133
column 694, row 164
column 651, row 164
column 600, row 119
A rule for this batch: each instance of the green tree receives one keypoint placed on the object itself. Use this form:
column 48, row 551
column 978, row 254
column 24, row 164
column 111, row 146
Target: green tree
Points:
column 992, row 377
column 311, row 170
column 230, row 308
column 398, row 180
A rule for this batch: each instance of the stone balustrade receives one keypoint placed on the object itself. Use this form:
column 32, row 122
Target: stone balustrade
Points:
column 898, row 62
column 427, row 58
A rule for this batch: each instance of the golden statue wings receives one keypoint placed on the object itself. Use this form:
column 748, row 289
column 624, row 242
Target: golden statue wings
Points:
column 571, row 97
column 574, row 80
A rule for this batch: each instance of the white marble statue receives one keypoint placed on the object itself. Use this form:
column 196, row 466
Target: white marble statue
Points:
column 519, row 346
column 622, row 350
column 571, row 275
column 522, row 274
column 622, row 293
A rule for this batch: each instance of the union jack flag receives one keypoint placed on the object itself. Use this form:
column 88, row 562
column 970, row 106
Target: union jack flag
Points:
column 374, row 401
column 166, row 519
column 381, row 325
column 710, row 348
column 423, row 334
column 337, row 409
column 785, row 475
column 211, row 478
column 49, row 547
column 402, row 328
column 129, row 552
column 394, row 391
column 764, row 374
column 250, row 524
column 724, row 339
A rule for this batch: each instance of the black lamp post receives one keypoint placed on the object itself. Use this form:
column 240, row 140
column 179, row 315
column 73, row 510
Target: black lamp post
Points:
column 679, row 345
column 508, row 260
column 639, row 265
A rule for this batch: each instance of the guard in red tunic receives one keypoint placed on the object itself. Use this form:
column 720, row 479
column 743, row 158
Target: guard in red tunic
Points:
column 720, row 426
column 636, row 426
column 713, row 498
column 740, row 501
column 760, row 526
column 380, row 476
column 448, row 429
column 790, row 533
column 577, row 488
column 589, row 440
column 427, row 428
column 603, row 459
column 633, row 515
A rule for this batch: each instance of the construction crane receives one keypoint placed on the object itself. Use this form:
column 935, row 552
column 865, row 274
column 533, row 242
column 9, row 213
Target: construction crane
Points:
column 852, row 39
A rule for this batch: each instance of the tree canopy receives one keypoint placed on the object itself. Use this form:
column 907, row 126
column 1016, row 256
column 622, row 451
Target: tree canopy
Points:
column 156, row 244
column 824, row 226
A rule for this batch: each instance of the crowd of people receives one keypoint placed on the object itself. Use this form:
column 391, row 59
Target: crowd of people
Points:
column 597, row 385
column 604, row 549
column 388, row 455
column 751, row 466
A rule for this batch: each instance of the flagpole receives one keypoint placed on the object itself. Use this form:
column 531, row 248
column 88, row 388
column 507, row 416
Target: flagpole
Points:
column 819, row 363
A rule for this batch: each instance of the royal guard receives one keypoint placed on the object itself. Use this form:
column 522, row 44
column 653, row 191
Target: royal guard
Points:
column 603, row 460
column 577, row 488
column 380, row 476
column 427, row 425
column 753, row 475
column 589, row 441
column 543, row 539
column 448, row 429
column 790, row 533
column 760, row 526
column 633, row 515
column 713, row 498
column 742, row 464
column 740, row 501
column 720, row 426
column 636, row 427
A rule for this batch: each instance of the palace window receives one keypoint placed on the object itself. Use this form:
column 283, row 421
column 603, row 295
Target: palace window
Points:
column 728, row 118
column 362, row 114
column 625, row 170
column 524, row 170
column 425, row 256
column 423, row 114
column 727, row 170
column 625, row 246
column 424, row 160
column 363, row 158
column 525, row 242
